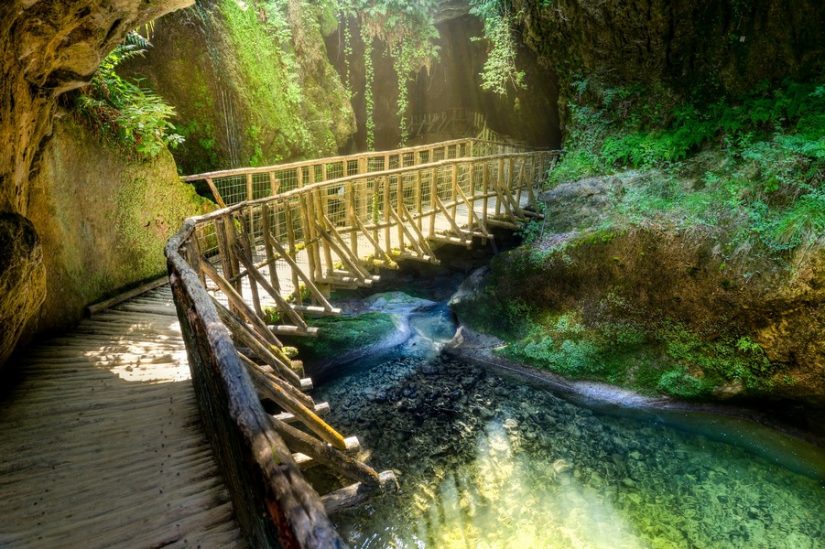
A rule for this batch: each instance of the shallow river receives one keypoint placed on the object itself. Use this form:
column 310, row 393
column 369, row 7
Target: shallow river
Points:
column 488, row 460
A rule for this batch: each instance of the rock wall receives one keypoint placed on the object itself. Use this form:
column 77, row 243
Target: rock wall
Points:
column 243, row 95
column 704, row 45
column 454, row 82
column 22, row 278
column 47, row 49
column 103, row 218
column 451, row 82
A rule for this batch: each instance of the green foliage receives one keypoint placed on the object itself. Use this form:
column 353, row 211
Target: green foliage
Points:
column 123, row 111
column 500, row 73
column 559, row 346
column 640, row 127
column 369, row 100
column 731, row 359
column 532, row 230
column 769, row 187
column 577, row 164
column 679, row 383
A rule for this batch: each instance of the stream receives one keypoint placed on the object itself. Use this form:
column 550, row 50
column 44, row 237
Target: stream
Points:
column 486, row 459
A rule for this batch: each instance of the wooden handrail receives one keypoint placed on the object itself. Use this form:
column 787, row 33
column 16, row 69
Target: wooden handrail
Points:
column 333, row 159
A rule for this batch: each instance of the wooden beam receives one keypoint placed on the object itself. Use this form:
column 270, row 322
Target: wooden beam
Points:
column 327, row 455
column 355, row 494
column 215, row 193
column 244, row 335
column 316, row 293
column 283, row 306
column 240, row 305
column 268, row 248
column 95, row 308
column 266, row 376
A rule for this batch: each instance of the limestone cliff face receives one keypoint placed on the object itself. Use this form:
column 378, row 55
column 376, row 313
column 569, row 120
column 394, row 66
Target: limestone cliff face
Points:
column 46, row 48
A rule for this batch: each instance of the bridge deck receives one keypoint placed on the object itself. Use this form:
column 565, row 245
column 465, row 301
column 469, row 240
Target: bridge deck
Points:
column 442, row 225
column 101, row 442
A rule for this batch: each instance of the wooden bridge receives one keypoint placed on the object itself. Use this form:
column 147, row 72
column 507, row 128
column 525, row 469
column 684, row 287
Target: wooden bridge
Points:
column 253, row 271
column 102, row 444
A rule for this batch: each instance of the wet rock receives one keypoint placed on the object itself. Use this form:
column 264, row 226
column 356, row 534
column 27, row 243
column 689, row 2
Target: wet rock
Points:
column 561, row 466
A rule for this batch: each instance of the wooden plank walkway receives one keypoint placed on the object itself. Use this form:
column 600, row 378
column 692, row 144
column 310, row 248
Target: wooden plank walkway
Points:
column 101, row 443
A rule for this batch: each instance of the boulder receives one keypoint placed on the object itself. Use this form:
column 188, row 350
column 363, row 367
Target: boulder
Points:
column 22, row 279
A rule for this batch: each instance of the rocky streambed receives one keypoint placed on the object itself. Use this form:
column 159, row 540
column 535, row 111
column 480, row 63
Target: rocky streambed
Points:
column 490, row 459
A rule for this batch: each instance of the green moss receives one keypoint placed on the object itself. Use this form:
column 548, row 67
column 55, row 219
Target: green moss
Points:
column 267, row 81
column 344, row 334
column 651, row 358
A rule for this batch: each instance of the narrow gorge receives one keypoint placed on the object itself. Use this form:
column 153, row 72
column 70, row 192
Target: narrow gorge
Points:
column 438, row 273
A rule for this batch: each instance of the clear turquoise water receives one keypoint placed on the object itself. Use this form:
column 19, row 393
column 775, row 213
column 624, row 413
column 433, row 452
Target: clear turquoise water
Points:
column 489, row 461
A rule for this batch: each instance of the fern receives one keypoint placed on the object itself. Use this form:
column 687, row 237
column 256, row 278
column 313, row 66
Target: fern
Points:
column 123, row 111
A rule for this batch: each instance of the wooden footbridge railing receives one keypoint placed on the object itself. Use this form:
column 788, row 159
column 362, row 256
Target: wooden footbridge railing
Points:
column 250, row 272
column 243, row 184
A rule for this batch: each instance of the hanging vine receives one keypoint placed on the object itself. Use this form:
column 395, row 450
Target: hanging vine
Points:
column 500, row 72
column 347, row 32
column 403, row 68
column 407, row 28
column 369, row 104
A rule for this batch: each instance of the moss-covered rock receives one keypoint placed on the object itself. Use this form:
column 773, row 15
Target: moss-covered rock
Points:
column 341, row 336
column 656, row 304
column 250, row 82
column 104, row 218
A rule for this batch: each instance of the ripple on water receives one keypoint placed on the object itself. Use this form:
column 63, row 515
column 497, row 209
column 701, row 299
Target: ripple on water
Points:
column 487, row 461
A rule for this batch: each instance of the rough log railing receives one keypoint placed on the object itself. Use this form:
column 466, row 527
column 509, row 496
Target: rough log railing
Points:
column 237, row 185
column 246, row 274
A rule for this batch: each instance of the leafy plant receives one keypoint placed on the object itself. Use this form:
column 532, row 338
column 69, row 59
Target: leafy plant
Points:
column 500, row 73
column 681, row 384
column 123, row 111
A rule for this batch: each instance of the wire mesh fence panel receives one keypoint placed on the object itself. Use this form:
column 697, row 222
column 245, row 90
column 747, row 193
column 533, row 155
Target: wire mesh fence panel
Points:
column 375, row 164
column 261, row 185
column 393, row 161
column 352, row 167
column 334, row 170
column 232, row 189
